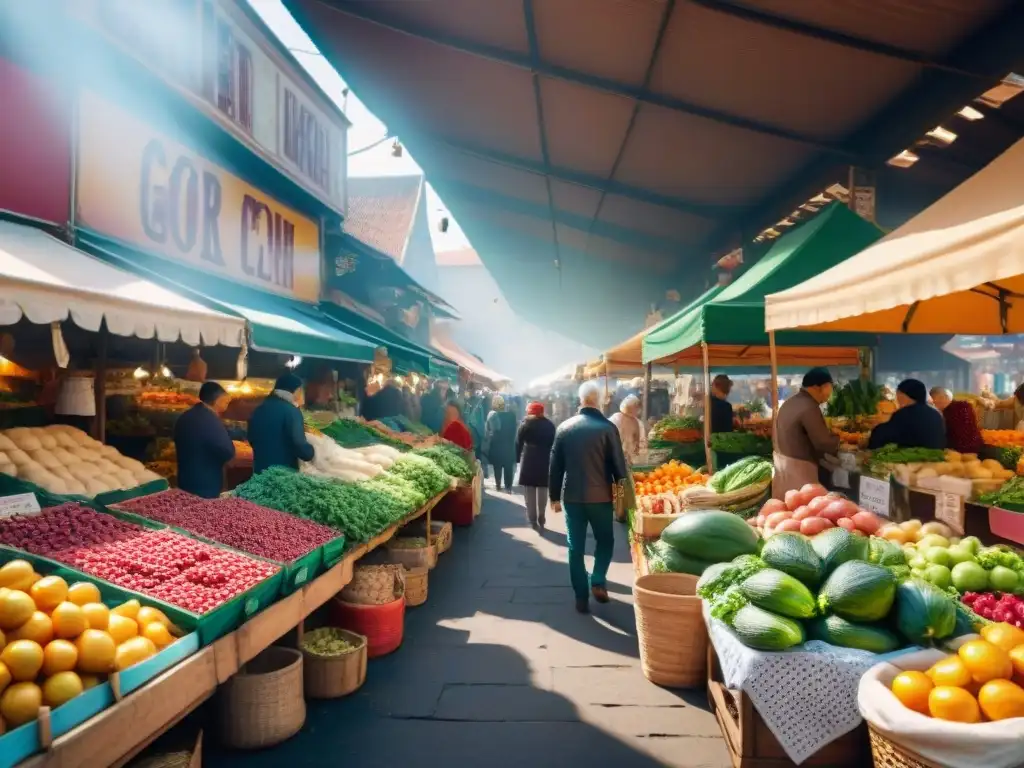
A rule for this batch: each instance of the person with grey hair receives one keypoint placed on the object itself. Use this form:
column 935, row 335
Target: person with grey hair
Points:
column 586, row 461
column 631, row 429
column 500, row 439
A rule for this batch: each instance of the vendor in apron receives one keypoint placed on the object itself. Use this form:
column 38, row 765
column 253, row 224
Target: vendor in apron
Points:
column 802, row 438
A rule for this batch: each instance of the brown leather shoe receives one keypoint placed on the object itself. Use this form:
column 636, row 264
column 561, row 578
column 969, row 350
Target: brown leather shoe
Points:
column 600, row 593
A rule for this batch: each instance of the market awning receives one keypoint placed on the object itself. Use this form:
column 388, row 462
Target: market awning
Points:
column 735, row 316
column 453, row 351
column 957, row 267
column 276, row 323
column 46, row 280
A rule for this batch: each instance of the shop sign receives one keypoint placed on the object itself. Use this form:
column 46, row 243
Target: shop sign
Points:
column 874, row 495
column 144, row 188
column 19, row 504
column 949, row 509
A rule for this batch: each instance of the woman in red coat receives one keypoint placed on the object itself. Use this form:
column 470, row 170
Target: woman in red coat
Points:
column 455, row 429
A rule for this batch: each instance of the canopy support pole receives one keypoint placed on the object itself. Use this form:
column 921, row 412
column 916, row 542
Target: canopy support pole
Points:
column 645, row 405
column 100, row 386
column 607, row 399
column 707, row 405
column 773, row 359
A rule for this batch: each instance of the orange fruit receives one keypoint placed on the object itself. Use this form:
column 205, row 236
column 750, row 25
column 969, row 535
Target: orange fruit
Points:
column 1017, row 659
column 68, row 620
column 15, row 571
column 5, row 676
column 25, row 584
column 912, row 689
column 97, row 615
column 946, row 702
column 129, row 609
column 61, row 688
column 950, row 671
column 39, row 628
column 49, row 592
column 158, row 634
column 1003, row 635
column 96, row 651
column 132, row 652
column 59, row 656
column 985, row 661
column 89, row 681
column 16, row 607
column 23, row 658
column 20, row 704
column 82, row 592
column 147, row 615
column 1001, row 700
column 122, row 628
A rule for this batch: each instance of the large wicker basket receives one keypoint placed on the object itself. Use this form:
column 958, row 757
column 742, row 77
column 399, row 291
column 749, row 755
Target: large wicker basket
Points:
column 416, row 586
column 670, row 629
column 888, row 754
column 374, row 584
column 262, row 705
column 331, row 677
column 412, row 557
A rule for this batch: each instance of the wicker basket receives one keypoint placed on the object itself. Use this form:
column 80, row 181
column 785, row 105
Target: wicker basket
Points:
column 416, row 586
column 413, row 557
column 670, row 629
column 374, row 584
column 650, row 526
column 886, row 754
column 331, row 677
column 440, row 531
column 262, row 705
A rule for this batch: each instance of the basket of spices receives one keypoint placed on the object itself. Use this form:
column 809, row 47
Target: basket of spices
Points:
column 412, row 552
column 334, row 662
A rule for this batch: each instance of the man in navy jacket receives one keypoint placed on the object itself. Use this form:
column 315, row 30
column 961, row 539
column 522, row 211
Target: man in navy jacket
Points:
column 202, row 443
column 275, row 429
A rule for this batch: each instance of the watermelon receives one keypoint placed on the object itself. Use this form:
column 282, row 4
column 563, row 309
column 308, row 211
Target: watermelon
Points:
column 837, row 546
column 835, row 630
column 711, row 535
column 764, row 630
column 793, row 553
column 664, row 559
column 924, row 613
column 779, row 593
column 858, row 591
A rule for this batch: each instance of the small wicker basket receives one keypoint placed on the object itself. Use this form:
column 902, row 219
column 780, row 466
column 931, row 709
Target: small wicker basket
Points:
column 374, row 584
column 416, row 586
column 413, row 557
column 331, row 677
column 670, row 630
column 887, row 754
column 262, row 705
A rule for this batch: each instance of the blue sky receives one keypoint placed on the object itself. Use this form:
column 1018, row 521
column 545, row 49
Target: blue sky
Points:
column 366, row 128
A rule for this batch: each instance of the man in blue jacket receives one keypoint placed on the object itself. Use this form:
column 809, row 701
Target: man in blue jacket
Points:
column 586, row 460
column 275, row 429
column 202, row 443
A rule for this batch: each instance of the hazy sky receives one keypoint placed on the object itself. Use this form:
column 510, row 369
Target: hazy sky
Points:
column 366, row 128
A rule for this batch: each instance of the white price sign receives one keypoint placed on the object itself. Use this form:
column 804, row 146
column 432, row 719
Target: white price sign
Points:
column 840, row 478
column 19, row 504
column 949, row 509
column 874, row 495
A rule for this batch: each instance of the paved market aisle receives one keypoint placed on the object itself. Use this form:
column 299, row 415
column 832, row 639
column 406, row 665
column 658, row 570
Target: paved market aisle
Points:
column 497, row 669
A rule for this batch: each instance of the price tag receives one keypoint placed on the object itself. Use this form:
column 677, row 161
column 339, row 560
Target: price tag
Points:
column 874, row 495
column 949, row 509
column 251, row 606
column 19, row 504
column 301, row 575
column 840, row 478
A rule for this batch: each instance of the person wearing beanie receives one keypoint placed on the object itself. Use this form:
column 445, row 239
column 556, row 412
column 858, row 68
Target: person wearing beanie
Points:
column 202, row 444
column 534, row 439
column 802, row 438
column 915, row 424
column 276, row 432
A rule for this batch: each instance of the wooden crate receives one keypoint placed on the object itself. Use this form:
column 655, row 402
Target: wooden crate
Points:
column 752, row 745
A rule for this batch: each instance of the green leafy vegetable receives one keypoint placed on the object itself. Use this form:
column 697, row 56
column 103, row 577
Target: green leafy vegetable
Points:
column 745, row 443
column 423, row 473
column 349, row 433
column 738, row 570
column 894, row 454
column 450, row 458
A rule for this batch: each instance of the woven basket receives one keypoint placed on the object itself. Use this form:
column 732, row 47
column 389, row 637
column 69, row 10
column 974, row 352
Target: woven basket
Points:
column 331, row 677
column 382, row 625
column 416, row 586
column 670, row 629
column 886, row 754
column 262, row 705
column 650, row 526
column 413, row 557
column 374, row 584
column 442, row 533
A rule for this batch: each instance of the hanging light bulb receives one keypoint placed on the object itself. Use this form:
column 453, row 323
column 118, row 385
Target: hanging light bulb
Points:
column 166, row 372
column 141, row 373
column 294, row 363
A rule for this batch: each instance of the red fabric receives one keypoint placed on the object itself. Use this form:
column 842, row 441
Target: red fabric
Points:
column 383, row 625
column 962, row 433
column 458, row 433
column 535, row 409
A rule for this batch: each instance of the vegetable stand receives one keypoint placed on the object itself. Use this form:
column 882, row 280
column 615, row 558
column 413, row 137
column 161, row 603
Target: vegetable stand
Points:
column 121, row 731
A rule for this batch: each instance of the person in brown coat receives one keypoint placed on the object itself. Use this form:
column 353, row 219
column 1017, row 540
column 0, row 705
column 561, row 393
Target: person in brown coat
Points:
column 802, row 438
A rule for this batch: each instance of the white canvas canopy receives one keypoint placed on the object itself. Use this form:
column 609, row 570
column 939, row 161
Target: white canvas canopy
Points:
column 45, row 280
column 957, row 267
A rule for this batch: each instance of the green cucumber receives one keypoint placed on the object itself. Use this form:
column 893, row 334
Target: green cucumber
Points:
column 835, row 630
column 779, row 593
column 858, row 591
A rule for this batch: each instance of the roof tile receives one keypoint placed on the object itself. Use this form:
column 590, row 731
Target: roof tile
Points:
column 381, row 211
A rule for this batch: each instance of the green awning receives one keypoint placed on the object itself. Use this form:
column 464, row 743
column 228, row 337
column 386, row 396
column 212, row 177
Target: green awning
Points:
column 735, row 315
column 276, row 323
column 442, row 369
column 406, row 355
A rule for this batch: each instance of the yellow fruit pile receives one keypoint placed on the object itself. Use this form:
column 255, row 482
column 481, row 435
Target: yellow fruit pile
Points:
column 673, row 476
column 57, row 640
column 981, row 681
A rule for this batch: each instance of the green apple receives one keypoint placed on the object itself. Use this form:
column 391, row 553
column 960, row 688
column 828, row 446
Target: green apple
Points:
column 939, row 575
column 932, row 540
column 960, row 554
column 918, row 562
column 939, row 556
column 1003, row 579
column 973, row 543
column 970, row 577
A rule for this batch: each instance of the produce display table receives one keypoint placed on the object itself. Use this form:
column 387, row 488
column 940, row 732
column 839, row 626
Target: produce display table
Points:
column 122, row 731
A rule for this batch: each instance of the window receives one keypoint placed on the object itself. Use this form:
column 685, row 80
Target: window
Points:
column 244, row 87
column 306, row 142
column 225, row 70
column 228, row 74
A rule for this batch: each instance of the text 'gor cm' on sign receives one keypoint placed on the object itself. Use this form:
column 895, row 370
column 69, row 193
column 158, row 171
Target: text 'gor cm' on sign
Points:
column 144, row 188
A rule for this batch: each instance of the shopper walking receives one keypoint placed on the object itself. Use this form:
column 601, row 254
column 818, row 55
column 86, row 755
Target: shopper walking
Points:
column 455, row 429
column 586, row 461
column 631, row 430
column 534, row 439
column 500, row 437
column 275, row 429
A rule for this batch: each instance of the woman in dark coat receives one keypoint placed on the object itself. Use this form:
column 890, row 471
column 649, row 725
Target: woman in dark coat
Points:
column 500, row 439
column 533, row 452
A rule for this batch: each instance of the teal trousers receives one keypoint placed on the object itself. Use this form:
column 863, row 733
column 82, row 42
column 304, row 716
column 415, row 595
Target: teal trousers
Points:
column 600, row 518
